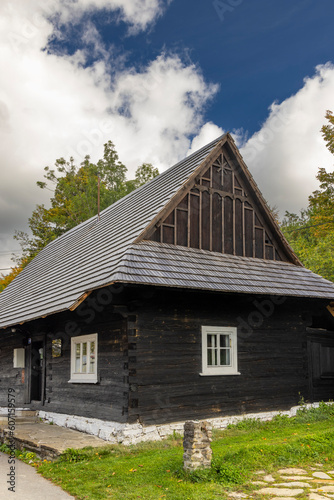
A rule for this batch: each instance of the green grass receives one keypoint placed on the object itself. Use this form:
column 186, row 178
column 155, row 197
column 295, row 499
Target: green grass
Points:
column 154, row 470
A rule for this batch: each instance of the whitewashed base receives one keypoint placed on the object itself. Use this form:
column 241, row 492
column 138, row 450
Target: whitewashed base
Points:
column 127, row 434
column 115, row 432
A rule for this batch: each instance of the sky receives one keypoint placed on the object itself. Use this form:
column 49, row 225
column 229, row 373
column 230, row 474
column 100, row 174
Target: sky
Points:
column 161, row 78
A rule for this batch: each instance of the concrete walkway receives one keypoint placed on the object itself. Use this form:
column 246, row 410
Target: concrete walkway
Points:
column 47, row 441
column 29, row 485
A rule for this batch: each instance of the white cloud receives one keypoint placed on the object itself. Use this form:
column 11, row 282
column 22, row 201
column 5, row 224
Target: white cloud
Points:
column 32, row 15
column 284, row 156
column 159, row 108
column 52, row 106
column 138, row 13
column 208, row 133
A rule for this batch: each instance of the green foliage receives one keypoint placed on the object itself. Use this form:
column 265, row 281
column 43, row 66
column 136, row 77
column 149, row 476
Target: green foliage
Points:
column 23, row 455
column 252, row 424
column 72, row 455
column 227, row 473
column 198, row 476
column 322, row 412
column 328, row 131
column 311, row 234
column 220, row 472
column 247, row 424
column 8, row 278
column 74, row 200
column 278, row 421
column 5, row 449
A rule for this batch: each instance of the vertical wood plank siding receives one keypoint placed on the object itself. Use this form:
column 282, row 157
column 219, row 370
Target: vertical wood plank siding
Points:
column 221, row 216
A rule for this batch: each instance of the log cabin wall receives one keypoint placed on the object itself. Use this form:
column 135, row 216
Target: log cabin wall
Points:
column 272, row 357
column 11, row 379
column 219, row 215
column 106, row 400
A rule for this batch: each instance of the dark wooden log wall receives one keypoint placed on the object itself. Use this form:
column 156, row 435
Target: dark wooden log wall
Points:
column 106, row 400
column 149, row 363
column 272, row 357
column 219, row 215
column 10, row 378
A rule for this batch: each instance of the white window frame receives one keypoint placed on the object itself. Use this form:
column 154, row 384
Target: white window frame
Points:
column 80, row 377
column 232, row 369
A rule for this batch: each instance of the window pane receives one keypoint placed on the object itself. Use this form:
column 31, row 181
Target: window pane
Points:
column 212, row 357
column 84, row 357
column 209, row 357
column 77, row 358
column 212, row 341
column 56, row 348
column 224, row 341
column 92, row 358
column 225, row 357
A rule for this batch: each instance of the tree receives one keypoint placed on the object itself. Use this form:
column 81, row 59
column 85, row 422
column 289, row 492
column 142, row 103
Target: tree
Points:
column 74, row 199
column 311, row 234
column 328, row 131
column 8, row 278
column 321, row 204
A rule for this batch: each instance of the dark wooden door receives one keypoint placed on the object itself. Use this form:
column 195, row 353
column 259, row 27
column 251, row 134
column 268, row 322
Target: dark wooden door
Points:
column 35, row 373
column 321, row 366
column 36, row 370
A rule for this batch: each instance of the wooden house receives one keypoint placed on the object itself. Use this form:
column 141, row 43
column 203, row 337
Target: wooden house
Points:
column 183, row 301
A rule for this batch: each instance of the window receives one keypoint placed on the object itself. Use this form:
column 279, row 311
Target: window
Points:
column 19, row 358
column 56, row 348
column 84, row 359
column 219, row 350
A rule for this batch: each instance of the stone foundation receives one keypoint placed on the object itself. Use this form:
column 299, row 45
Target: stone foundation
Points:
column 127, row 434
column 196, row 444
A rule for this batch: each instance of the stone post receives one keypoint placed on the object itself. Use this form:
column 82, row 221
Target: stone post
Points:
column 196, row 444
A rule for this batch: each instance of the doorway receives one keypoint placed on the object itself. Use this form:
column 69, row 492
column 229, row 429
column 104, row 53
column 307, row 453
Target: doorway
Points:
column 321, row 366
column 37, row 359
column 35, row 371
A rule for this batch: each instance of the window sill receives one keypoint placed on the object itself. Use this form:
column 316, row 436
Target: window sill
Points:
column 83, row 381
column 219, row 374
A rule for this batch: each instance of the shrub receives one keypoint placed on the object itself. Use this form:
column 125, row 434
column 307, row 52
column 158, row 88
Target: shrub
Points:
column 309, row 415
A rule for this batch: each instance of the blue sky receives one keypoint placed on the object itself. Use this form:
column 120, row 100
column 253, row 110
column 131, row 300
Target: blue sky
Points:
column 161, row 78
column 258, row 51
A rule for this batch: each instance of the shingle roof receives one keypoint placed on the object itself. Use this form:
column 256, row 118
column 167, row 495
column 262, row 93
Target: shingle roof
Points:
column 85, row 257
column 161, row 264
column 97, row 253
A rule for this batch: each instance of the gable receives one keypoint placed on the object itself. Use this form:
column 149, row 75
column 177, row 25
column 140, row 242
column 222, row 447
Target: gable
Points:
column 222, row 213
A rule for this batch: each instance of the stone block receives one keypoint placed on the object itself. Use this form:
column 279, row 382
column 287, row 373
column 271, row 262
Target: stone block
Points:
column 196, row 444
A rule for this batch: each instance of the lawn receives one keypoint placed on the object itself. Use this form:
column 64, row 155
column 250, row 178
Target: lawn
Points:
column 154, row 470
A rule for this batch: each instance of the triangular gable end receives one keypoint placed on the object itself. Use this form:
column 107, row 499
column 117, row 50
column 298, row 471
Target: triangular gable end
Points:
column 222, row 210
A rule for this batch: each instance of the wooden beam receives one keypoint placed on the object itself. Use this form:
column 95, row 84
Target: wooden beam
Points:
column 80, row 300
column 330, row 308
